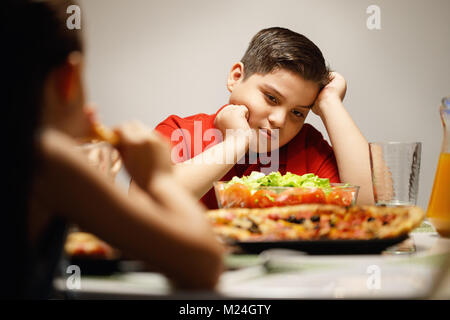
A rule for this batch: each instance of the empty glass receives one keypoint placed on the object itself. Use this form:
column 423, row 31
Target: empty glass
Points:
column 395, row 177
column 395, row 172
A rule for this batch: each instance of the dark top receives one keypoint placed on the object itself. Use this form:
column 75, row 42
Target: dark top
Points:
column 43, row 260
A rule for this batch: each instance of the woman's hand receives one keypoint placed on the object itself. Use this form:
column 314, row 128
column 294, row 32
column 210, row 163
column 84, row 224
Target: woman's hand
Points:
column 144, row 153
column 103, row 157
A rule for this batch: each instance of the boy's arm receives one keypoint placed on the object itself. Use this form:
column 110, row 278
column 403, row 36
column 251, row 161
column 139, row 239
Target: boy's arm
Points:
column 349, row 145
column 198, row 174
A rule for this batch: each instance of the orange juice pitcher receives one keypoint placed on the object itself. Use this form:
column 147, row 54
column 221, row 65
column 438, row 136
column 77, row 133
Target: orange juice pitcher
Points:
column 439, row 206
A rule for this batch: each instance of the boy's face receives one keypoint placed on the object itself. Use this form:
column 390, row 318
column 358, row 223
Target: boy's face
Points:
column 279, row 100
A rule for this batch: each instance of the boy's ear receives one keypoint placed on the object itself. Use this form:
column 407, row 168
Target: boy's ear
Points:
column 235, row 76
column 69, row 78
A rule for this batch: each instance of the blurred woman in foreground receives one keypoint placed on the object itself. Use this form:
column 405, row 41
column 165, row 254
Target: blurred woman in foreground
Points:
column 50, row 183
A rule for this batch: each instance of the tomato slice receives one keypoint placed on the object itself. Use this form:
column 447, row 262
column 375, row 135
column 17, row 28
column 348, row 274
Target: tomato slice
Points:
column 313, row 195
column 340, row 197
column 296, row 196
column 289, row 197
column 236, row 196
column 263, row 199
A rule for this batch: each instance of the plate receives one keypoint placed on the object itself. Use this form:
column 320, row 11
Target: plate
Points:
column 374, row 246
column 95, row 266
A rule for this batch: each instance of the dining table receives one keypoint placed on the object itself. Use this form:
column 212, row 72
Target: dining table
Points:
column 417, row 268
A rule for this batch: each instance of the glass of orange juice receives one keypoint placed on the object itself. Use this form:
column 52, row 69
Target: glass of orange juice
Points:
column 438, row 211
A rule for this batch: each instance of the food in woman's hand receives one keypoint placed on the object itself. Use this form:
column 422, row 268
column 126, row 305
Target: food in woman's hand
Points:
column 97, row 130
column 105, row 134
column 275, row 190
column 313, row 222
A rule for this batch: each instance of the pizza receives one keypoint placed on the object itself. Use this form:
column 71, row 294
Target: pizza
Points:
column 87, row 245
column 103, row 133
column 314, row 222
column 99, row 132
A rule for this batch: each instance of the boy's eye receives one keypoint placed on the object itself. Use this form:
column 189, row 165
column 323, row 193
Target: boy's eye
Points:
column 297, row 113
column 271, row 98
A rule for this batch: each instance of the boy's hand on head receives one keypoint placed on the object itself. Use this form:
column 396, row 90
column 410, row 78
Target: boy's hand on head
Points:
column 335, row 89
column 233, row 117
column 144, row 152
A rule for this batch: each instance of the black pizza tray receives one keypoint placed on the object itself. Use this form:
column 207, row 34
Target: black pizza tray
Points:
column 322, row 247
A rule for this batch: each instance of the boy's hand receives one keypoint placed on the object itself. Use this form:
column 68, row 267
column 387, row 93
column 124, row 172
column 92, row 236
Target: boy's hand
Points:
column 232, row 117
column 336, row 89
column 143, row 152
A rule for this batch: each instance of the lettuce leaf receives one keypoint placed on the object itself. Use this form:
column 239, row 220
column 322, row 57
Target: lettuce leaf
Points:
column 275, row 179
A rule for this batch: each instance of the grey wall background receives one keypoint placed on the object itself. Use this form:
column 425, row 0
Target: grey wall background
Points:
column 149, row 59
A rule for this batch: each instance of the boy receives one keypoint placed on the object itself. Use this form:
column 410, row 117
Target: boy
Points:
column 281, row 77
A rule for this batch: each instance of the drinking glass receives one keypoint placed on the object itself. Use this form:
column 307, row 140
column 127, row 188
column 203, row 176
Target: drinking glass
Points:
column 395, row 172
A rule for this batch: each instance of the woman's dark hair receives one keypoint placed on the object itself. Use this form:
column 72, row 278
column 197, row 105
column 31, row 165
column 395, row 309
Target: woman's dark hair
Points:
column 280, row 48
column 35, row 40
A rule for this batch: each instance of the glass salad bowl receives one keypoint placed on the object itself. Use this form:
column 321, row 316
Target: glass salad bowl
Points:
column 248, row 193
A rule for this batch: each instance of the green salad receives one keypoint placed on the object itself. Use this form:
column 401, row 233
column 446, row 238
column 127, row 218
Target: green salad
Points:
column 276, row 179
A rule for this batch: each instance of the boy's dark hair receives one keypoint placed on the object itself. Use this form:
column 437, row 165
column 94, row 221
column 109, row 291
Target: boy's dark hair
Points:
column 280, row 48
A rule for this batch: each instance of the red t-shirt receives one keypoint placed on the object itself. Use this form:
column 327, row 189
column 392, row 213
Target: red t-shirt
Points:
column 307, row 152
